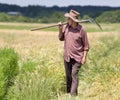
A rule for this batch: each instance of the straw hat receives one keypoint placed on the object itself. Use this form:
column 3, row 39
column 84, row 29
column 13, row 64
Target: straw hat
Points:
column 73, row 15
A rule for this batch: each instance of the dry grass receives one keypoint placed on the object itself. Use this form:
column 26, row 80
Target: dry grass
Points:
column 29, row 43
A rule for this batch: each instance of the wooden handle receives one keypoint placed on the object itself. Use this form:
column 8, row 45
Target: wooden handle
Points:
column 82, row 21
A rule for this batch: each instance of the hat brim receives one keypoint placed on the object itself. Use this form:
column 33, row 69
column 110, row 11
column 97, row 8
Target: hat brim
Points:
column 68, row 15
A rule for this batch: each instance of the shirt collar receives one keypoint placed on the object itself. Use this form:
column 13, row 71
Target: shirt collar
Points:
column 78, row 27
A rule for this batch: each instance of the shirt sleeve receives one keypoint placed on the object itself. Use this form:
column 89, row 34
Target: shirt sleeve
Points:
column 85, row 40
column 61, row 36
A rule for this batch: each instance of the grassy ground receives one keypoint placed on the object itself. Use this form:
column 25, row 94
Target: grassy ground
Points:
column 42, row 76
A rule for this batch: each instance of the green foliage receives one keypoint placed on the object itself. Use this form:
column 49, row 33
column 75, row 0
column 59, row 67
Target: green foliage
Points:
column 8, row 70
column 110, row 17
column 14, row 18
column 85, row 17
column 53, row 17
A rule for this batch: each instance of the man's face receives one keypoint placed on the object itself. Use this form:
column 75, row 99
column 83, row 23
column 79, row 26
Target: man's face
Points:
column 70, row 21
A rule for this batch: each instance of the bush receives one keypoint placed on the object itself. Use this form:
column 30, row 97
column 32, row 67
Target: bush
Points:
column 8, row 70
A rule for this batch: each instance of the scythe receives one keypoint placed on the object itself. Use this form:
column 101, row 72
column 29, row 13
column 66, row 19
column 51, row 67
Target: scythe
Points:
column 82, row 21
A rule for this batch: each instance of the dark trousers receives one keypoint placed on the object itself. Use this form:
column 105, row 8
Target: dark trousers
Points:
column 71, row 70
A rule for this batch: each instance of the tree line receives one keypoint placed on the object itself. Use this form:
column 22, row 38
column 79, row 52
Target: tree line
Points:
column 55, row 14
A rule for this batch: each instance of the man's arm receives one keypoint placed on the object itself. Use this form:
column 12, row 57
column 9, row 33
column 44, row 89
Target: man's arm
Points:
column 86, row 46
column 61, row 32
column 84, row 57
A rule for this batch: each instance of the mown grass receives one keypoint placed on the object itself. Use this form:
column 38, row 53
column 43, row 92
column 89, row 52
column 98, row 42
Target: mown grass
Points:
column 41, row 67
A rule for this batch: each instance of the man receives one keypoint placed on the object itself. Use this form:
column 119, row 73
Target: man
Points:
column 76, row 46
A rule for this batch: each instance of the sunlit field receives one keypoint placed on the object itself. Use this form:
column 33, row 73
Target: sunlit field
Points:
column 41, row 69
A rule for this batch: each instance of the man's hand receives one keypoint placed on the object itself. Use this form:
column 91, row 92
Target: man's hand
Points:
column 83, row 60
column 60, row 25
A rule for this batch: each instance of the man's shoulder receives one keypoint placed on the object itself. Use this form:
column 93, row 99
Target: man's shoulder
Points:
column 81, row 28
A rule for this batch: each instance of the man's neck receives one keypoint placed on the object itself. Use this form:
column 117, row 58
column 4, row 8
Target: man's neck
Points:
column 74, row 25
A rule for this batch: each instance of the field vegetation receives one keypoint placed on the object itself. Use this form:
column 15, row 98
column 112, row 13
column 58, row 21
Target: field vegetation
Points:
column 41, row 70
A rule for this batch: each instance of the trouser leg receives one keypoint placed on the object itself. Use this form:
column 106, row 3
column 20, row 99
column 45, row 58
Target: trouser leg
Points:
column 75, row 81
column 68, row 70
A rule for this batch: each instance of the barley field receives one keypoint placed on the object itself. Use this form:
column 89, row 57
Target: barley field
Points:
column 41, row 69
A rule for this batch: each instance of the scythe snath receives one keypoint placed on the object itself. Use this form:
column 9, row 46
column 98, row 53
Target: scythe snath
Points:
column 82, row 21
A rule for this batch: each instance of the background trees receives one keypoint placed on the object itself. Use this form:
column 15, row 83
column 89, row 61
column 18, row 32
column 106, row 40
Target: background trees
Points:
column 53, row 14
